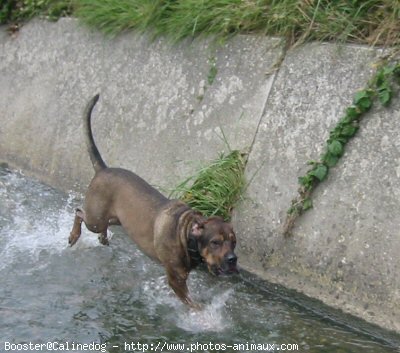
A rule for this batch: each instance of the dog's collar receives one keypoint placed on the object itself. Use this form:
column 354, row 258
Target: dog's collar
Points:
column 193, row 250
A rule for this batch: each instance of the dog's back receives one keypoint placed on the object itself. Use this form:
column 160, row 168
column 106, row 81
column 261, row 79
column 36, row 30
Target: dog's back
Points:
column 119, row 194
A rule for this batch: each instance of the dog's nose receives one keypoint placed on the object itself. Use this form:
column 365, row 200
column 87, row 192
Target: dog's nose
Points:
column 231, row 259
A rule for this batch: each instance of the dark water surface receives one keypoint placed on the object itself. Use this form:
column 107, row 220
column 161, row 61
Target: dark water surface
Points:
column 114, row 299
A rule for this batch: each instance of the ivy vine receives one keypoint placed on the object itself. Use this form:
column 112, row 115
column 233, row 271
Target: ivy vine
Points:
column 379, row 88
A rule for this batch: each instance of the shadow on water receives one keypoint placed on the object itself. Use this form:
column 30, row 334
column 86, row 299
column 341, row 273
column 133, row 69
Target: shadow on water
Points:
column 118, row 297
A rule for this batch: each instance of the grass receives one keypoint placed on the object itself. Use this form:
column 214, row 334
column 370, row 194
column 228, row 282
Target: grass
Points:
column 216, row 188
column 115, row 16
column 175, row 19
column 373, row 22
column 13, row 12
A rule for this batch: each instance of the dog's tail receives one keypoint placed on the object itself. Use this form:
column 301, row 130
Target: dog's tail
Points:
column 95, row 157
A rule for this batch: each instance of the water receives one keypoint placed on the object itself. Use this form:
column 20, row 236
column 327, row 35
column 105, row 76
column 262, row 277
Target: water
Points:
column 114, row 299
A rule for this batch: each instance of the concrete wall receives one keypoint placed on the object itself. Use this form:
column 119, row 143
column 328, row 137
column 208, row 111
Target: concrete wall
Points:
column 159, row 116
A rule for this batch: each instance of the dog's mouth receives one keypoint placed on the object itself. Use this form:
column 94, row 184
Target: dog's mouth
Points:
column 223, row 270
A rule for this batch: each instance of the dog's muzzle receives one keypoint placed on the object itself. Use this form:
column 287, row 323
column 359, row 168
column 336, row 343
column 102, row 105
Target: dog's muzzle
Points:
column 228, row 266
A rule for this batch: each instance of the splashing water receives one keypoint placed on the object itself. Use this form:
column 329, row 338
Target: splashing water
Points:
column 39, row 229
column 94, row 293
column 212, row 317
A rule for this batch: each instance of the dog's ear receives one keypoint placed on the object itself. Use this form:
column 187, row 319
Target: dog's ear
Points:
column 197, row 229
column 198, row 226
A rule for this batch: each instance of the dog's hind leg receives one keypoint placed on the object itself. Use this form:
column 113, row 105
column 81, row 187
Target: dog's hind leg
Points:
column 103, row 235
column 103, row 238
column 77, row 227
column 114, row 221
column 100, row 228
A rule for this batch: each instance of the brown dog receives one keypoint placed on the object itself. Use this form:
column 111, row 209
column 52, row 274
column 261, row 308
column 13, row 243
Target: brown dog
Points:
column 166, row 230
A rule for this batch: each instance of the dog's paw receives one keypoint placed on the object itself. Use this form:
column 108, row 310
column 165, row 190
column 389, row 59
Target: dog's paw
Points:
column 73, row 238
column 103, row 239
column 196, row 306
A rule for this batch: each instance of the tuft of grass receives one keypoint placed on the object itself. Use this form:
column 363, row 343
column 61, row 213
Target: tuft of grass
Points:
column 370, row 21
column 115, row 16
column 222, row 18
column 175, row 19
column 215, row 189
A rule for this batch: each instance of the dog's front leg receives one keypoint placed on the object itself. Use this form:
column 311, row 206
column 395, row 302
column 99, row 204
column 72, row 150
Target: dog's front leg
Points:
column 177, row 281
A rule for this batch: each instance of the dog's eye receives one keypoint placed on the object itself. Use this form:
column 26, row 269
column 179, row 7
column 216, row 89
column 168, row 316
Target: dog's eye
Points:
column 215, row 243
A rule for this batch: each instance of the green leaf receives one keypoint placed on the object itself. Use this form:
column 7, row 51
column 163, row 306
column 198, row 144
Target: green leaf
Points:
column 364, row 104
column 360, row 95
column 335, row 133
column 349, row 130
column 362, row 100
column 306, row 181
column 352, row 113
column 330, row 160
column 385, row 96
column 307, row 204
column 336, row 148
column 380, row 77
column 388, row 70
column 320, row 172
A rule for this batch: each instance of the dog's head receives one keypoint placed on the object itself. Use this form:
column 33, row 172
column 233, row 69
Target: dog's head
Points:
column 216, row 242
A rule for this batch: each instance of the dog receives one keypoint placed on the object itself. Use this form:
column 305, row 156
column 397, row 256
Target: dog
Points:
column 168, row 231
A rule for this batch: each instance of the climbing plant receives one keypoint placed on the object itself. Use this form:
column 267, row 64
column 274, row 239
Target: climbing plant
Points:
column 379, row 88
